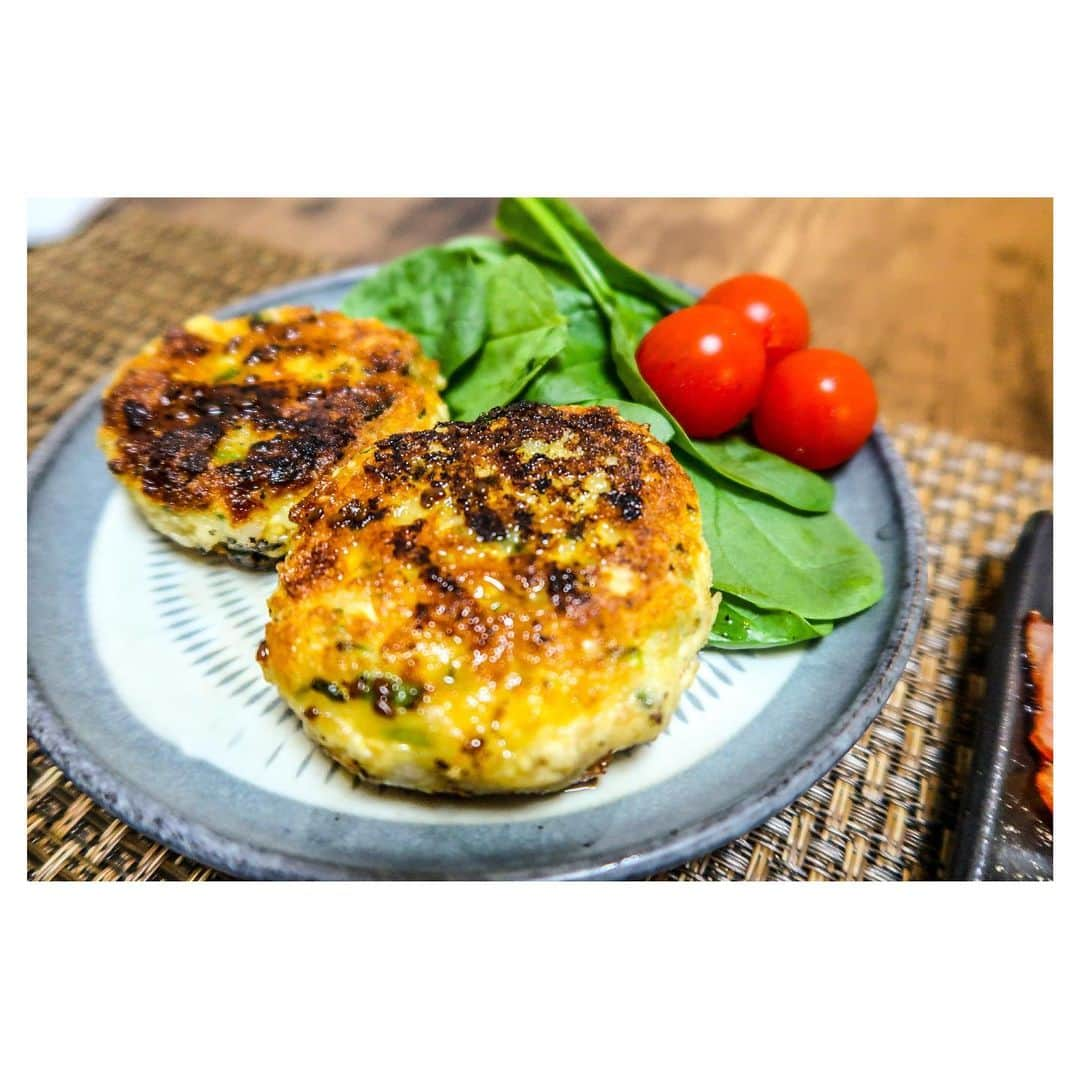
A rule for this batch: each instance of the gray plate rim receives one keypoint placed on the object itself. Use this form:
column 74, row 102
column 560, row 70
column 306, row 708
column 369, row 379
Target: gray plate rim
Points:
column 147, row 815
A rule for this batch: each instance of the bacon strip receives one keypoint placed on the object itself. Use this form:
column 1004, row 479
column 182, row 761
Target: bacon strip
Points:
column 1039, row 647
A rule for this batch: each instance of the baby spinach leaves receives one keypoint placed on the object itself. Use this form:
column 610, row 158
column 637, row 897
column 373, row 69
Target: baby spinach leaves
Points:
column 810, row 564
column 437, row 294
column 525, row 329
column 540, row 225
column 735, row 458
column 583, row 370
column 574, row 376
column 740, row 625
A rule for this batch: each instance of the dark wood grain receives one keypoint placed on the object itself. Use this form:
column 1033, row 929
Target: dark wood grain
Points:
column 947, row 301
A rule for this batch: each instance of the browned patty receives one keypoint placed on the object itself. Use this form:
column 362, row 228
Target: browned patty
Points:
column 219, row 428
column 493, row 606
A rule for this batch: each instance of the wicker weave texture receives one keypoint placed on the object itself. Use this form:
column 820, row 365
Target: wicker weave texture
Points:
column 885, row 812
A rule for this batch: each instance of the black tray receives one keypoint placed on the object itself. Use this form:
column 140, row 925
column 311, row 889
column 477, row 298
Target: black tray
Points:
column 1005, row 831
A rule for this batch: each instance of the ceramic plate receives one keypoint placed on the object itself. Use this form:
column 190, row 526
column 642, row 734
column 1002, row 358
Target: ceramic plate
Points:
column 145, row 691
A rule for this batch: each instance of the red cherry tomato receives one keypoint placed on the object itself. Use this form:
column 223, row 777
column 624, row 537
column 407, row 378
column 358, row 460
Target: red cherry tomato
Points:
column 817, row 408
column 771, row 303
column 706, row 364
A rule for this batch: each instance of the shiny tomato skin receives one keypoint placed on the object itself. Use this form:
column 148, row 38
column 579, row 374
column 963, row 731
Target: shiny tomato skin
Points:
column 707, row 365
column 770, row 303
column 817, row 407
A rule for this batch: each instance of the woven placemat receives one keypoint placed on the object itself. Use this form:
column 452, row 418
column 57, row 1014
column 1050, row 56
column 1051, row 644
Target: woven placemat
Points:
column 885, row 812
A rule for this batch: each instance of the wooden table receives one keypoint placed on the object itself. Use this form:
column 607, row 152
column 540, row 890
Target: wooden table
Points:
column 947, row 301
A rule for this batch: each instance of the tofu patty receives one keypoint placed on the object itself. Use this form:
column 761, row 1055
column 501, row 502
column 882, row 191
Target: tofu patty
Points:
column 218, row 429
column 493, row 606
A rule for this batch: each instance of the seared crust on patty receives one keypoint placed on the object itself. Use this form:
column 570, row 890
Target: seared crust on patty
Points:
column 494, row 606
column 219, row 428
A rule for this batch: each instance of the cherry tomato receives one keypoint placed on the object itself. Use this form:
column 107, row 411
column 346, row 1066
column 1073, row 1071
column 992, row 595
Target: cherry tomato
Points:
column 817, row 408
column 706, row 364
column 771, row 303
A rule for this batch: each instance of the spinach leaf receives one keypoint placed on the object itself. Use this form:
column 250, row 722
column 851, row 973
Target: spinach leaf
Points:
column 812, row 565
column 583, row 370
column 486, row 249
column 732, row 456
column 575, row 375
column 435, row 294
column 525, row 330
column 588, row 338
column 637, row 413
column 528, row 223
column 740, row 625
